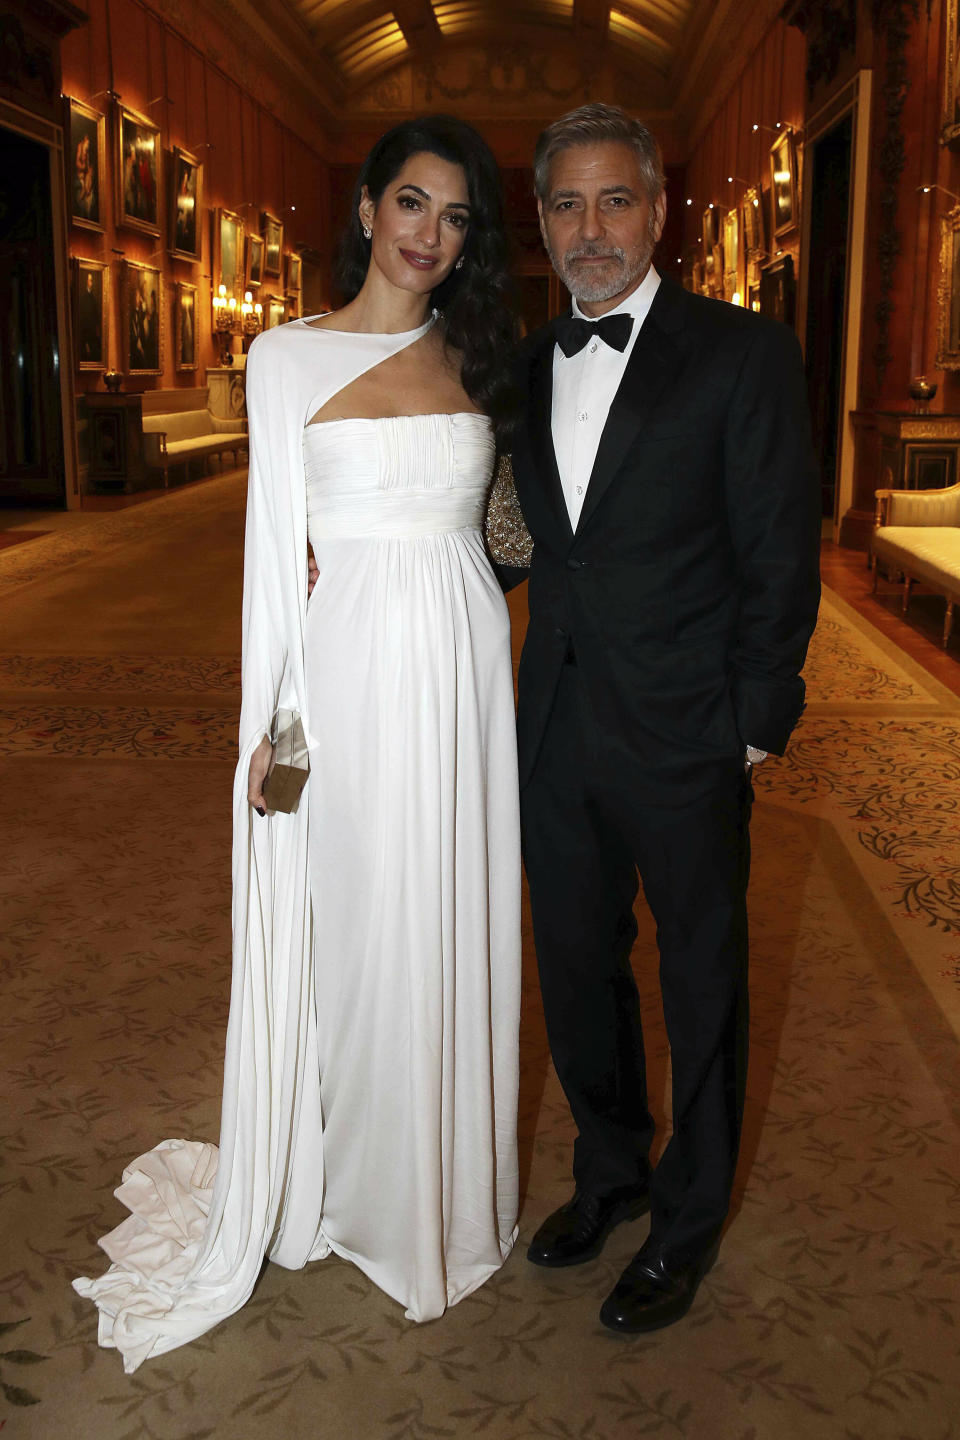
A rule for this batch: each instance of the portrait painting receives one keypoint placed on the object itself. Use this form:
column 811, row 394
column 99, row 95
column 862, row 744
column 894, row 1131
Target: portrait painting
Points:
column 272, row 231
column 712, row 254
column 293, row 272
column 731, row 254
column 948, row 292
column 783, row 182
column 186, row 337
column 754, row 229
column 186, row 195
column 273, row 311
column 227, row 251
column 254, row 260
column 138, row 172
column 86, row 129
column 142, row 321
column 91, row 313
column 778, row 290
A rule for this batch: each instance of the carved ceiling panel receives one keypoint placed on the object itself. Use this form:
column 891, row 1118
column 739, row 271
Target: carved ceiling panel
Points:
column 501, row 57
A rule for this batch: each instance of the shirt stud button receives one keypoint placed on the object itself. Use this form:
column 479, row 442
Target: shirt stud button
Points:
column 593, row 348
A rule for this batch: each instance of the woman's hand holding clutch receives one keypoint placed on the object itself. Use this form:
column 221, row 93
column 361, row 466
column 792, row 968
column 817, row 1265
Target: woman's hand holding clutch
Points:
column 259, row 765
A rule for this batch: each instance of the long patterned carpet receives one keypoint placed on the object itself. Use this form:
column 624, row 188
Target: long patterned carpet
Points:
column 833, row 1312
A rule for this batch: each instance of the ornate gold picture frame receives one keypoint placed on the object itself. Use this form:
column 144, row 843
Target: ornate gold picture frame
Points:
column 85, row 164
column 142, row 322
column 731, row 254
column 783, row 182
column 139, row 171
column 272, row 230
column 91, row 312
column 254, row 260
column 274, row 311
column 712, row 253
column 754, row 224
column 187, row 337
column 186, row 202
column 228, row 268
column 948, row 290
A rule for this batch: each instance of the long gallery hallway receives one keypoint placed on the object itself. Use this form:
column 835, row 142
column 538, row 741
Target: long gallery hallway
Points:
column 833, row 1311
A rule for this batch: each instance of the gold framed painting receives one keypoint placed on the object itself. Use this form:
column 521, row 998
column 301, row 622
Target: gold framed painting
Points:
column 85, row 164
column 754, row 226
column 91, row 313
column 948, row 292
column 712, row 252
column 272, row 230
column 731, row 254
column 186, row 199
column 139, row 171
column 293, row 273
column 227, row 252
column 783, row 184
column 142, row 319
column 254, row 261
column 186, row 337
column 274, row 311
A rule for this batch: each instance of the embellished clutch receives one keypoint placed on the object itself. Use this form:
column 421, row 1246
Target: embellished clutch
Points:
column 507, row 536
column 289, row 763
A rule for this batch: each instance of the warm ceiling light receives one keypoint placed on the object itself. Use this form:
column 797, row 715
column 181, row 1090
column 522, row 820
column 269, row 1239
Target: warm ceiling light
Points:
column 371, row 46
column 625, row 27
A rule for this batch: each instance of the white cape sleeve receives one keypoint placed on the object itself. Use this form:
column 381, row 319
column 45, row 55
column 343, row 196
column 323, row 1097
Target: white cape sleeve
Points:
column 202, row 1221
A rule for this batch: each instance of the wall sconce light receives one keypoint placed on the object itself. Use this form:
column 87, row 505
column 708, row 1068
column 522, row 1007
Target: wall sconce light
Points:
column 251, row 316
column 926, row 189
column 224, row 322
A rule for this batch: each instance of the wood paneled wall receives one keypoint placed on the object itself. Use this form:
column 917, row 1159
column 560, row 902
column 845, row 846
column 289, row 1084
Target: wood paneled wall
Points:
column 770, row 88
column 252, row 160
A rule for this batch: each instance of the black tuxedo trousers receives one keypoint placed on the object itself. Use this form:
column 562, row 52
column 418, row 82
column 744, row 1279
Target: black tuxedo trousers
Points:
column 586, row 839
column 666, row 633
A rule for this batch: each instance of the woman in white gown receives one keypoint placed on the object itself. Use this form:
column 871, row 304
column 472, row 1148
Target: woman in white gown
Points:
column 371, row 1072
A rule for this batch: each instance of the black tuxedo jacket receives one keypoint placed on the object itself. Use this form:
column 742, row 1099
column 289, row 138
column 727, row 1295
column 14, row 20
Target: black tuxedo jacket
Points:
column 690, row 589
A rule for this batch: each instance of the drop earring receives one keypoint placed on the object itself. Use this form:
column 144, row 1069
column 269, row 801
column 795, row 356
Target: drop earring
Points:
column 367, row 233
column 459, row 264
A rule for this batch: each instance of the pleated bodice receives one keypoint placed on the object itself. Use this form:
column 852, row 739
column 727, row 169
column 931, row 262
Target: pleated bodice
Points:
column 398, row 477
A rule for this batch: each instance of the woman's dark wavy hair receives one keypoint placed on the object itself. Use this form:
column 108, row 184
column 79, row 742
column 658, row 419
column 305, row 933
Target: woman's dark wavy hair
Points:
column 478, row 318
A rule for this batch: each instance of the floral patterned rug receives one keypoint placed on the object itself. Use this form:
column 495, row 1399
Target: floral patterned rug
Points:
column 834, row 1309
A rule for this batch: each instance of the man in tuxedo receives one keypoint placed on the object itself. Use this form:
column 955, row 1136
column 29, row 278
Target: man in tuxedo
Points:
column 664, row 467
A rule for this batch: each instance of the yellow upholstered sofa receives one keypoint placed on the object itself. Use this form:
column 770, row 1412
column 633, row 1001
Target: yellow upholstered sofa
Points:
column 917, row 536
column 178, row 427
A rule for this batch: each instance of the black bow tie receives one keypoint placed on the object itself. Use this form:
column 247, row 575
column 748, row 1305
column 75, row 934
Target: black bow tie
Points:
column 573, row 333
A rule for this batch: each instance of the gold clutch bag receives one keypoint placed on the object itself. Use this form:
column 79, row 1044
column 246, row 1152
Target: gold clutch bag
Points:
column 289, row 763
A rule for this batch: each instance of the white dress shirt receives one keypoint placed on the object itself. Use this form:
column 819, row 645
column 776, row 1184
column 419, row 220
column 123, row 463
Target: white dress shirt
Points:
column 583, row 389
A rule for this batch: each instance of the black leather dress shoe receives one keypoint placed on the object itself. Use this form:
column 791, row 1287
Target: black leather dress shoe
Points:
column 656, row 1289
column 577, row 1231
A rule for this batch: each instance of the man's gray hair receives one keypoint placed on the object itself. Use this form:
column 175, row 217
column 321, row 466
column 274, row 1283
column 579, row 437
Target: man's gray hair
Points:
column 591, row 125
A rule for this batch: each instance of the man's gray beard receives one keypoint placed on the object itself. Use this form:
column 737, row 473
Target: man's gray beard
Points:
column 594, row 289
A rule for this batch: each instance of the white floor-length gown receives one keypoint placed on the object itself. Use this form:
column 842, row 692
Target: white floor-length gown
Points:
column 370, row 1082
